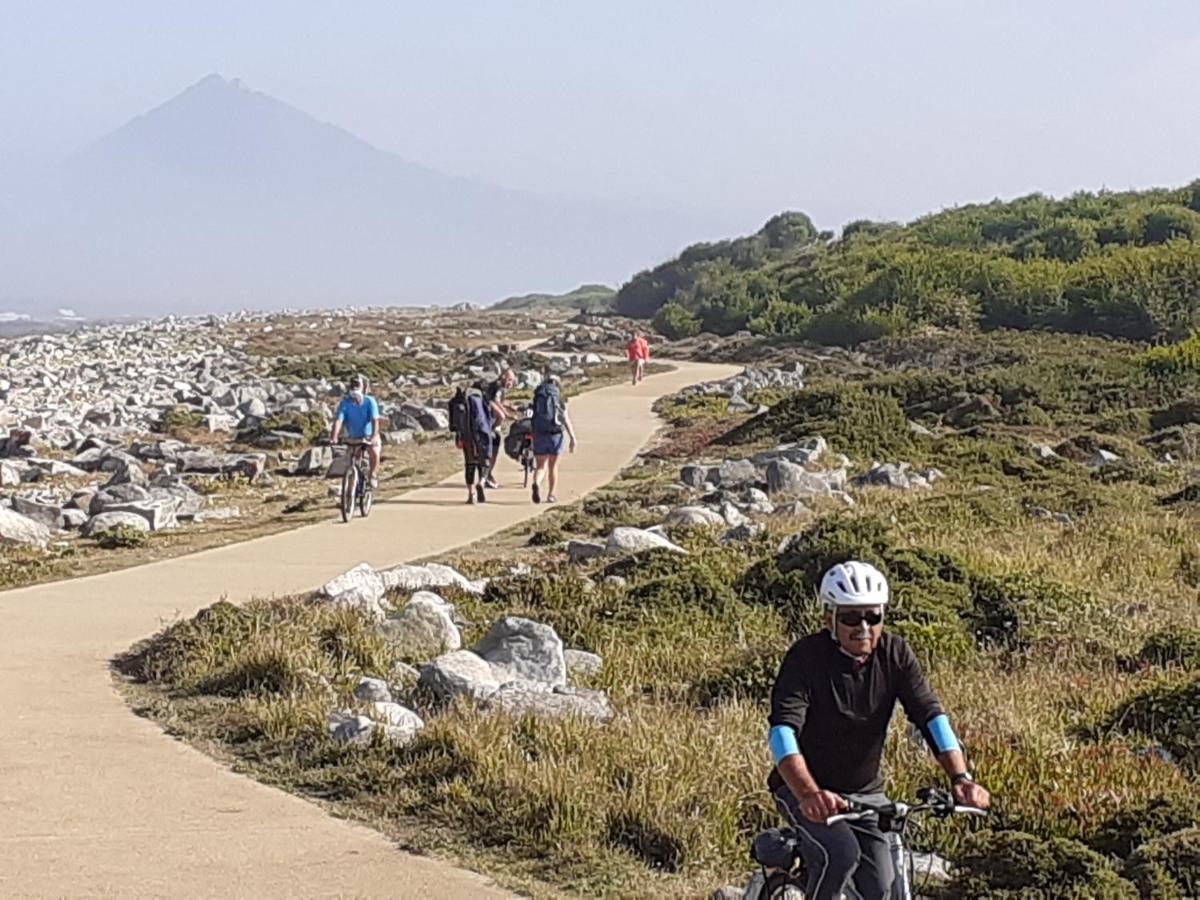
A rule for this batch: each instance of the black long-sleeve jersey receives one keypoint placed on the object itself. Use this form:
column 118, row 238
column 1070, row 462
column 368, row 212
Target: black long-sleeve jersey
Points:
column 840, row 709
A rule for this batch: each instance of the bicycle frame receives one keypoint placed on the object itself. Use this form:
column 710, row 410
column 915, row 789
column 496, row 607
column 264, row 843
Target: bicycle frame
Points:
column 893, row 818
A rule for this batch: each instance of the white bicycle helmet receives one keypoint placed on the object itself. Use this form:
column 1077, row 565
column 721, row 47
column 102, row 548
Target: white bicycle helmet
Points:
column 854, row 583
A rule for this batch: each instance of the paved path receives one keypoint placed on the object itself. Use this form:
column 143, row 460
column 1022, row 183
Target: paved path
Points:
column 95, row 801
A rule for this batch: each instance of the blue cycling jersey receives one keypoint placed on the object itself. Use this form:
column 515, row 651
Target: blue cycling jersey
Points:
column 358, row 418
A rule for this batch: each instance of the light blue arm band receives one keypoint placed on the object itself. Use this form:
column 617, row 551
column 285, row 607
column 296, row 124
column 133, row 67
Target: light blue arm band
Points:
column 782, row 741
column 942, row 734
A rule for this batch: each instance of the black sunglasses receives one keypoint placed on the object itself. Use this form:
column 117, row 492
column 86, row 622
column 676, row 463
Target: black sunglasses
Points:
column 854, row 619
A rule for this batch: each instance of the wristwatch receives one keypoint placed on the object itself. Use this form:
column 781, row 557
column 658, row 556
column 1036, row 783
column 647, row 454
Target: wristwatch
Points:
column 961, row 777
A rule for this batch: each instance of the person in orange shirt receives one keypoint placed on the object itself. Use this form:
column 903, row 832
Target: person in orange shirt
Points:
column 638, row 352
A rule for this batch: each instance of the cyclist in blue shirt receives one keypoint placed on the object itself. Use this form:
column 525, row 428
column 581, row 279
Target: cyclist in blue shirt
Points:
column 358, row 413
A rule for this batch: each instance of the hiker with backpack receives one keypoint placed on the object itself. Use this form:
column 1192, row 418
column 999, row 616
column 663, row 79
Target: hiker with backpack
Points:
column 471, row 422
column 550, row 421
column 494, row 396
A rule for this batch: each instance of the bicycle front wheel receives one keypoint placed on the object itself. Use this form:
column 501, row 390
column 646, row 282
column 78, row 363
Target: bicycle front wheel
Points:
column 349, row 486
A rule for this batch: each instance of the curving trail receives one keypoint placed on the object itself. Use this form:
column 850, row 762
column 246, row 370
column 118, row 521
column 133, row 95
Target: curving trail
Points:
column 95, row 801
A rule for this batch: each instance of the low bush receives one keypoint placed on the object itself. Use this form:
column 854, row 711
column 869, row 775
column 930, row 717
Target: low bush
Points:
column 264, row 647
column 1167, row 713
column 1167, row 867
column 122, row 537
column 861, row 422
column 1133, row 825
column 179, row 419
column 1012, row 865
column 1175, row 646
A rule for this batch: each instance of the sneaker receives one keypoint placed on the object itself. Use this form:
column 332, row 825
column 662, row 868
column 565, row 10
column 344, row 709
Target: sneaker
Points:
column 537, row 495
column 492, row 483
column 551, row 499
column 375, row 482
column 479, row 493
column 470, row 497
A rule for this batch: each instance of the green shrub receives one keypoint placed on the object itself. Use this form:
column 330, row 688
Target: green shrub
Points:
column 1167, row 713
column 342, row 366
column 549, row 536
column 180, row 418
column 1012, row 865
column 1175, row 646
column 261, row 648
column 700, row 588
column 860, row 422
column 1132, row 826
column 1167, row 867
column 1014, row 611
column 747, row 675
column 675, row 322
column 1174, row 360
column 122, row 537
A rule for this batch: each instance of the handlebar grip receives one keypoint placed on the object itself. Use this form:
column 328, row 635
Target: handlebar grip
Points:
column 849, row 816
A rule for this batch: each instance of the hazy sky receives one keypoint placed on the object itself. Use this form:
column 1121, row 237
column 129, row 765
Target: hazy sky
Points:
column 843, row 109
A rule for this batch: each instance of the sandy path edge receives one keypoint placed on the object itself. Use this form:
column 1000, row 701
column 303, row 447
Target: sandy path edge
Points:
column 97, row 802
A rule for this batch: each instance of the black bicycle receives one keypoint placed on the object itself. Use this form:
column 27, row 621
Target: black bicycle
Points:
column 356, row 481
column 782, row 875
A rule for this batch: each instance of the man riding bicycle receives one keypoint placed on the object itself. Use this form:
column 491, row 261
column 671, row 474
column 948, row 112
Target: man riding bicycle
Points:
column 830, row 708
column 359, row 414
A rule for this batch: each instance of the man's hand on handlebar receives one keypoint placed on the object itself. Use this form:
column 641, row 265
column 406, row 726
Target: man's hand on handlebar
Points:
column 968, row 793
column 820, row 805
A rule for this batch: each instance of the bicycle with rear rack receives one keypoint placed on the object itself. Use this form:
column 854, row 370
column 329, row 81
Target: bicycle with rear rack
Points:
column 782, row 875
column 356, row 481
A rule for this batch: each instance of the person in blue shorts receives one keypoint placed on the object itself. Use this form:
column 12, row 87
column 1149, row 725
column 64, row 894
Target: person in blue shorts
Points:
column 358, row 415
column 550, row 422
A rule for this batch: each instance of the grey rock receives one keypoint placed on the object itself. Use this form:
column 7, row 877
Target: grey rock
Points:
column 424, row 628
column 18, row 529
column 694, row 476
column 117, row 495
column 217, row 513
column 74, row 518
column 624, row 540
column 107, row 521
column 314, row 461
column 694, row 517
column 159, row 513
column 581, row 551
column 734, row 473
column 520, row 698
column 527, row 650
column 929, row 867
column 897, row 477
column 355, row 731
column 788, row 478
column 615, row 581
column 430, row 576
column 44, row 508
column 400, row 724
column 128, row 472
column 459, row 673
column 732, row 516
column 1102, row 458
column 372, row 690
column 581, row 662
column 360, row 588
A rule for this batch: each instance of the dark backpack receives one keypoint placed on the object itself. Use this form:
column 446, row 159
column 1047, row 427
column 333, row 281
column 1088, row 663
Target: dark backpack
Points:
column 547, row 410
column 460, row 416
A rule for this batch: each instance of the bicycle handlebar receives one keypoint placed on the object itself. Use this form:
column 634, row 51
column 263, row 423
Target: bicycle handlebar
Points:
column 937, row 803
